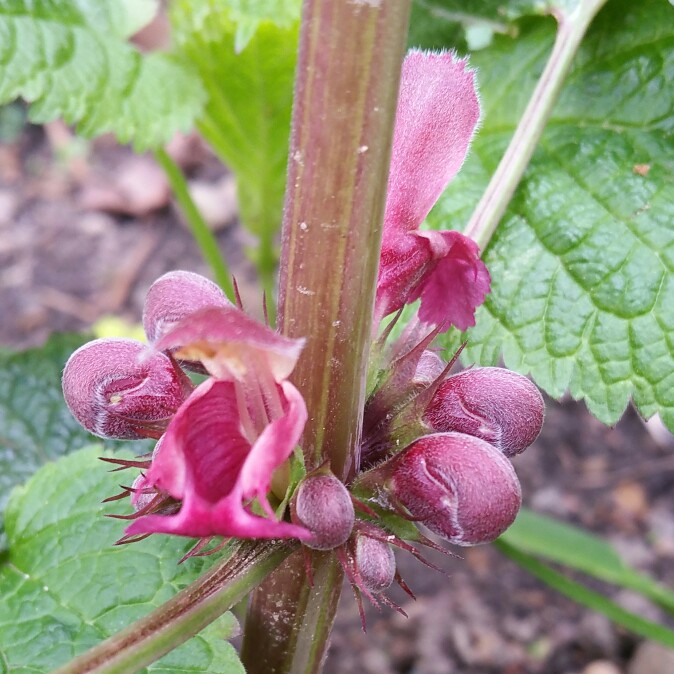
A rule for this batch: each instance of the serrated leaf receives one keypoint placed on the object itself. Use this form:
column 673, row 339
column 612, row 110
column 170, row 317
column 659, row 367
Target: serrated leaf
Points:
column 582, row 264
column 122, row 18
column 64, row 587
column 247, row 117
column 69, row 59
column 35, row 423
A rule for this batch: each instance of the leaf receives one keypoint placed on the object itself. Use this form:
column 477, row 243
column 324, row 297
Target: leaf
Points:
column 437, row 24
column 582, row 263
column 543, row 536
column 247, row 116
column 589, row 598
column 65, row 587
column 35, row 423
column 69, row 59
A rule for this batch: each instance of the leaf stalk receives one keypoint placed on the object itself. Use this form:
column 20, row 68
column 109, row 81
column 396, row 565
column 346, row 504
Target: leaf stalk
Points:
column 499, row 192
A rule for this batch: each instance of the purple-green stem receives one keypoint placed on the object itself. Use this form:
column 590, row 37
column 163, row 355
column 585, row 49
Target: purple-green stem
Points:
column 511, row 168
column 345, row 102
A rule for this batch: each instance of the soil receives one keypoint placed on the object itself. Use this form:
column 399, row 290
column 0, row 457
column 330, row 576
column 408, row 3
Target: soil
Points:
column 71, row 252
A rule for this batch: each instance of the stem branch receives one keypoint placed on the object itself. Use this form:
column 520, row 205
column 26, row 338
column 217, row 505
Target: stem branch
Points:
column 499, row 192
column 183, row 616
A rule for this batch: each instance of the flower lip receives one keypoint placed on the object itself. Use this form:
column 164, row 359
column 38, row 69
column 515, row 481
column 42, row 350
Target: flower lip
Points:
column 207, row 463
column 228, row 342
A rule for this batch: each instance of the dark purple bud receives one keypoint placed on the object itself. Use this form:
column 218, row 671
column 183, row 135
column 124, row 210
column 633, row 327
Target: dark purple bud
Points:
column 502, row 407
column 459, row 486
column 175, row 296
column 323, row 505
column 375, row 563
column 120, row 388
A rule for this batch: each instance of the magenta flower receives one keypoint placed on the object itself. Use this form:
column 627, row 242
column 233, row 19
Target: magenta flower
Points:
column 223, row 445
column 438, row 111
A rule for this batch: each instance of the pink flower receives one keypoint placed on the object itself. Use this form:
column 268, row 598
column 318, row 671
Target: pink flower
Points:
column 223, row 445
column 438, row 111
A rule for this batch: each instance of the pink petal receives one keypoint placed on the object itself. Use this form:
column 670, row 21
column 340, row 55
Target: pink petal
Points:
column 456, row 284
column 176, row 295
column 274, row 446
column 206, row 462
column 442, row 268
column 438, row 111
column 227, row 342
column 203, row 448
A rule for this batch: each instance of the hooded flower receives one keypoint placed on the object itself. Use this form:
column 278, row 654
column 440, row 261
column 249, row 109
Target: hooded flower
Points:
column 222, row 446
column 438, row 111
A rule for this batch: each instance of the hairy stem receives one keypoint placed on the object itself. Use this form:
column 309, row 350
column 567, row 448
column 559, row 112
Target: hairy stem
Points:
column 345, row 101
column 499, row 192
column 208, row 244
column 180, row 618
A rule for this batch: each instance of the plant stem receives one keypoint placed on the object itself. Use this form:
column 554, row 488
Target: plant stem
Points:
column 345, row 101
column 180, row 618
column 200, row 231
column 499, row 192
column 281, row 636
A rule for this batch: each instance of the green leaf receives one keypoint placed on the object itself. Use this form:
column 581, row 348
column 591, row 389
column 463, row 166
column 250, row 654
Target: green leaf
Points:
column 35, row 423
column 70, row 59
column 65, row 587
column 582, row 263
column 437, row 24
column 589, row 598
column 543, row 536
column 247, row 117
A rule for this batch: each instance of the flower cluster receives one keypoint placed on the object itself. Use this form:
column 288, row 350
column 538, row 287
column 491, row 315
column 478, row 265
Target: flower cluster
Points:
column 219, row 443
column 435, row 448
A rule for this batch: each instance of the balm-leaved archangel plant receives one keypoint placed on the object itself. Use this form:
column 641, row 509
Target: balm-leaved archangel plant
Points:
column 279, row 456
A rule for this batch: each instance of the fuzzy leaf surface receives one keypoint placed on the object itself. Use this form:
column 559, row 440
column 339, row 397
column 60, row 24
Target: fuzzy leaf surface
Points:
column 247, row 116
column 583, row 261
column 70, row 59
column 65, row 587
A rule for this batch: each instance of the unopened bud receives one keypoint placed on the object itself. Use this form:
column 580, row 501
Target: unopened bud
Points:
column 375, row 563
column 323, row 505
column 459, row 486
column 175, row 296
column 492, row 403
column 429, row 368
column 118, row 388
column 142, row 493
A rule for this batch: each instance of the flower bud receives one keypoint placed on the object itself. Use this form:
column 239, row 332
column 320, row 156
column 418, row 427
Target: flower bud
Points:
column 323, row 505
column 174, row 296
column 118, row 388
column 142, row 493
column 459, row 486
column 429, row 368
column 491, row 403
column 375, row 563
